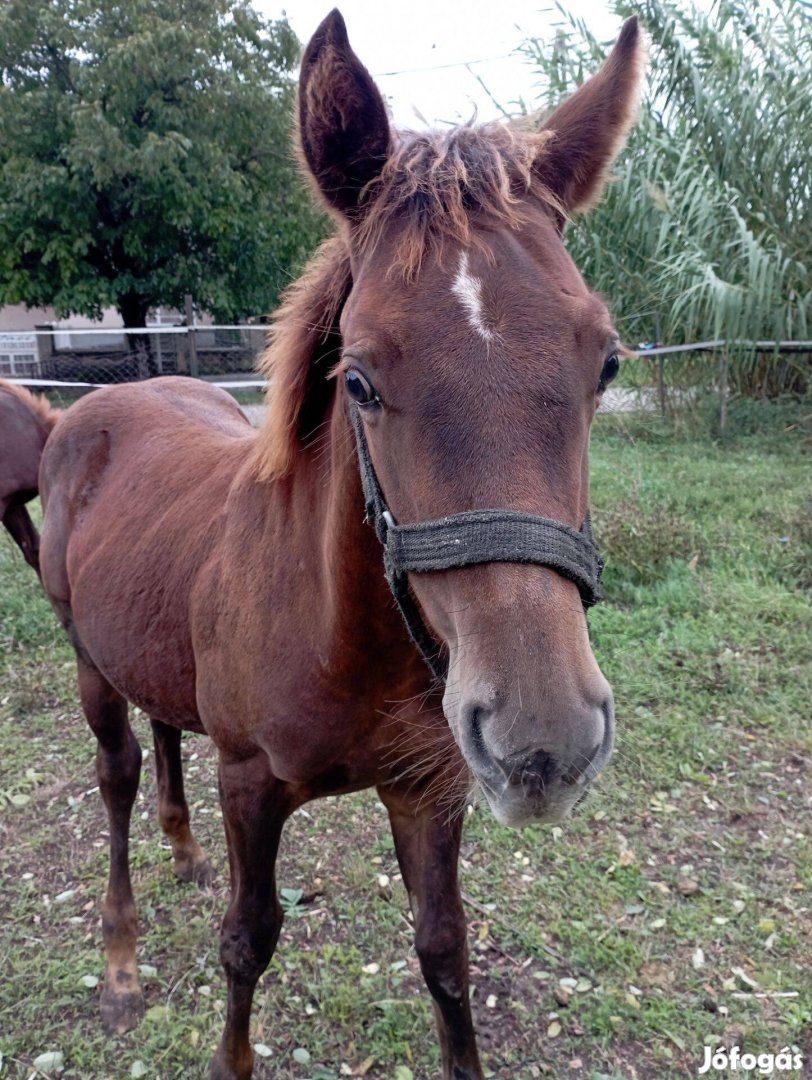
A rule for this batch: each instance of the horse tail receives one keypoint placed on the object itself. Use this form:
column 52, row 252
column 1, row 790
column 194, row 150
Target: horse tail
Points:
column 40, row 406
column 18, row 478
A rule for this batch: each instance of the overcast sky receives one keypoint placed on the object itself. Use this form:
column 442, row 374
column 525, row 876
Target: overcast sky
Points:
column 428, row 42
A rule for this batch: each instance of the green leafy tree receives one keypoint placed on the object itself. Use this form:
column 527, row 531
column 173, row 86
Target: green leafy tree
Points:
column 145, row 153
column 706, row 232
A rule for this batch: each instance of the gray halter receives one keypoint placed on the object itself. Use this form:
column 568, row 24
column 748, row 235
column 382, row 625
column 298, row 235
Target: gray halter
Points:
column 474, row 536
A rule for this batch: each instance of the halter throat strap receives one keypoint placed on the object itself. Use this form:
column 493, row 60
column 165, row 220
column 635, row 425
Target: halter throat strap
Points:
column 467, row 539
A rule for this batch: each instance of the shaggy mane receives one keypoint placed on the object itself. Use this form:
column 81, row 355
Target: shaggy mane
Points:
column 37, row 403
column 436, row 183
column 304, row 329
column 432, row 188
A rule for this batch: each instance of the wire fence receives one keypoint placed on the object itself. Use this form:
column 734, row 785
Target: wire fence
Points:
column 98, row 356
column 228, row 355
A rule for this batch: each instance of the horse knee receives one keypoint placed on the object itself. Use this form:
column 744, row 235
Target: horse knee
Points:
column 245, row 951
column 443, row 957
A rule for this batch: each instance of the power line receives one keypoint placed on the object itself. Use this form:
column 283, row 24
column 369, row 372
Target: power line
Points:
column 442, row 67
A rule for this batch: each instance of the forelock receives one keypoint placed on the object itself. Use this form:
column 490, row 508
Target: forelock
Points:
column 436, row 186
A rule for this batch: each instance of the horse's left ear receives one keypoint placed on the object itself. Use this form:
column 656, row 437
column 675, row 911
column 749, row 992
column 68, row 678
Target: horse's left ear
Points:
column 343, row 127
column 590, row 128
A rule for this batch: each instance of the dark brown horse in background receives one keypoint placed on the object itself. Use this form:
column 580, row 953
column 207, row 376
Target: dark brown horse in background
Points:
column 26, row 421
column 226, row 582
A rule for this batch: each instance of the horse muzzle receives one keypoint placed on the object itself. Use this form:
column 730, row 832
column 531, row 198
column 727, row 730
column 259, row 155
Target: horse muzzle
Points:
column 534, row 770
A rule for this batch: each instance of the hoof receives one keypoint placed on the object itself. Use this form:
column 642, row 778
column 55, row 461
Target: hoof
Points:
column 200, row 873
column 121, row 1012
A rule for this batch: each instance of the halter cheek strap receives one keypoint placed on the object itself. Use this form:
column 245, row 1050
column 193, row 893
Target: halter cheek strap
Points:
column 466, row 539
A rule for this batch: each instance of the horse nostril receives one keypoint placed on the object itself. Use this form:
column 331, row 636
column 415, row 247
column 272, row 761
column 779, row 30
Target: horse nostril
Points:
column 475, row 727
column 473, row 717
column 576, row 772
column 608, row 709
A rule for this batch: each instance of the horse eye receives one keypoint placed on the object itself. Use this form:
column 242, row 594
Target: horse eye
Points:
column 610, row 369
column 360, row 388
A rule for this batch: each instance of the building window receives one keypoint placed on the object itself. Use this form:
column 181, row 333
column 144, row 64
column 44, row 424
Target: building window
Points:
column 20, row 365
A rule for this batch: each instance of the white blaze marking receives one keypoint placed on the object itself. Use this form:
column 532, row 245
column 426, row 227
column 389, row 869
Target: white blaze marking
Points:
column 468, row 290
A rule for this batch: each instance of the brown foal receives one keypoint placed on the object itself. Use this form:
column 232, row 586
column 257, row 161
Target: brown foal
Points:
column 226, row 582
column 26, row 421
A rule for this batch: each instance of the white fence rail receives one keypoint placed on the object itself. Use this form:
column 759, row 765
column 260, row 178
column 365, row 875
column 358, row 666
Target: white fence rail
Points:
column 117, row 354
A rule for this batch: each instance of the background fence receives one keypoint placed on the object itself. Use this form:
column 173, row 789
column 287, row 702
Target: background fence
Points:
column 98, row 356
column 666, row 379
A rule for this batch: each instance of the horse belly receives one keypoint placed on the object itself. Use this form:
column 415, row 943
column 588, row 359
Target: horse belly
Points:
column 128, row 617
column 124, row 537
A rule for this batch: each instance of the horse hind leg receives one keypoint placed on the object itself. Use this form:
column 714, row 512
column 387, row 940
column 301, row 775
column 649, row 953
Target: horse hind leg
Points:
column 188, row 858
column 19, row 524
column 118, row 766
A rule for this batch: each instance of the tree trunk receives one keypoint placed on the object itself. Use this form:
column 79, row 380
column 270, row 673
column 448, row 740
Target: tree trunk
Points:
column 134, row 309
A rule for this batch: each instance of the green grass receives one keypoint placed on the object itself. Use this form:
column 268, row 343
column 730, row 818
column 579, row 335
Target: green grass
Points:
column 686, row 873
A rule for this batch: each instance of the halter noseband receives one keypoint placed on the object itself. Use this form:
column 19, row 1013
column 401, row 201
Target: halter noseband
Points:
column 474, row 536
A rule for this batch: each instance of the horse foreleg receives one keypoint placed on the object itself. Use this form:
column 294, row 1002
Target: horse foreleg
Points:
column 427, row 847
column 255, row 807
column 18, row 522
column 118, row 766
column 188, row 858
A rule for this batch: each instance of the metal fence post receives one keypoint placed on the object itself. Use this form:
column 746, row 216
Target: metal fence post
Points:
column 194, row 369
column 660, row 367
column 723, row 378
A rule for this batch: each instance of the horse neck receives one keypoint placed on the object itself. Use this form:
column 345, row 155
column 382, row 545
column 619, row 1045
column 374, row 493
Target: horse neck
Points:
column 361, row 627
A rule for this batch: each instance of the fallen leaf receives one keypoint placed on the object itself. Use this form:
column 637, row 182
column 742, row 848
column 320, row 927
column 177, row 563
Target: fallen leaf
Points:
column 50, row 1061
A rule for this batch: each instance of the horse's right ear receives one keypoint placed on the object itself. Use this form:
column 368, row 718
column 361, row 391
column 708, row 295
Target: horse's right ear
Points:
column 343, row 126
column 590, row 128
